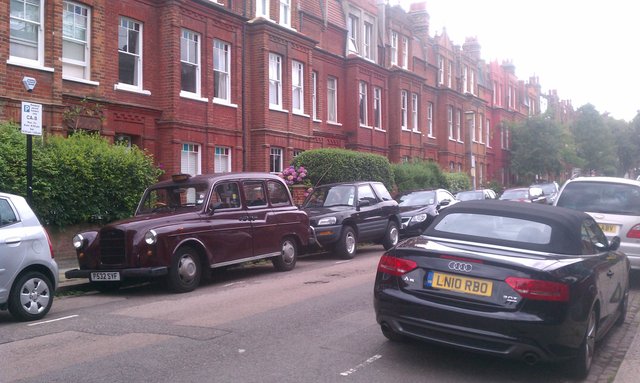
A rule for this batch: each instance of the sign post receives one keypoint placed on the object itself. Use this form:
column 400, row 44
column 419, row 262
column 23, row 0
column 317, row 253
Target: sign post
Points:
column 31, row 124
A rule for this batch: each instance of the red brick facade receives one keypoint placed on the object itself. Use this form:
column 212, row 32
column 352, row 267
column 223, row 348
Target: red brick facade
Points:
column 380, row 51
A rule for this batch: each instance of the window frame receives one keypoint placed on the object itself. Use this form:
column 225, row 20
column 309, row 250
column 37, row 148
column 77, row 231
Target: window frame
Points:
column 39, row 43
column 450, row 121
column 285, row 13
column 405, row 52
column 314, row 95
column 69, row 63
column 192, row 37
column 404, row 113
column 332, row 99
column 138, row 57
column 430, row 119
column 262, row 8
column 275, row 81
column 276, row 159
column 297, row 87
column 223, row 48
column 394, row 48
column 362, row 104
column 222, row 155
column 377, row 107
column 193, row 149
column 415, row 123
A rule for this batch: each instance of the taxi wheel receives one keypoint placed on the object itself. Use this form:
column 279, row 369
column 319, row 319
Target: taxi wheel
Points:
column 31, row 296
column 286, row 261
column 185, row 271
column 347, row 245
column 391, row 236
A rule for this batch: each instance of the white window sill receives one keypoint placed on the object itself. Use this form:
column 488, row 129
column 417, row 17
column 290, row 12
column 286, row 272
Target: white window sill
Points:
column 334, row 123
column 380, row 130
column 277, row 109
column 453, row 139
column 316, row 120
column 80, row 80
column 301, row 113
column 193, row 96
column 223, row 102
column 130, row 88
column 29, row 64
column 404, row 129
column 461, row 142
column 417, row 131
column 431, row 136
column 366, row 126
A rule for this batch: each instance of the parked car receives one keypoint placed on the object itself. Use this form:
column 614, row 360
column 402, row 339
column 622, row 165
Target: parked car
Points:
column 345, row 214
column 550, row 190
column 614, row 203
column 535, row 195
column 28, row 271
column 478, row 194
column 418, row 209
column 526, row 281
column 186, row 226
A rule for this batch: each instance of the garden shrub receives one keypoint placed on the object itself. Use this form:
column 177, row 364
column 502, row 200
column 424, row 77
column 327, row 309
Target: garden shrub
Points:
column 418, row 175
column 456, row 182
column 326, row 166
column 80, row 179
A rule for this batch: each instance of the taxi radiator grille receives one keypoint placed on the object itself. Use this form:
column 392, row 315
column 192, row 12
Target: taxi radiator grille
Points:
column 112, row 247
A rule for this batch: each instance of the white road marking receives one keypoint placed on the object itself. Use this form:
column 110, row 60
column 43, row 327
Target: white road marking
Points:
column 339, row 262
column 361, row 365
column 232, row 283
column 52, row 320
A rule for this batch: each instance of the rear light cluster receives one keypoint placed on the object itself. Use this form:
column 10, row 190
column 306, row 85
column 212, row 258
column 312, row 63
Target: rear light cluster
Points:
column 634, row 232
column 539, row 290
column 395, row 266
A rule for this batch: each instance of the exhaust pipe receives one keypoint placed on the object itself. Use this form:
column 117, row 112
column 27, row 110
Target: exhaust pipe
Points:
column 530, row 358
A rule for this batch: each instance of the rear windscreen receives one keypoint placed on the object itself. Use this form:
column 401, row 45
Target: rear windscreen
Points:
column 601, row 197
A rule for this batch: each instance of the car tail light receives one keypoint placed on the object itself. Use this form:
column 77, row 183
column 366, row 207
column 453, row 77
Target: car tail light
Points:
column 49, row 241
column 395, row 266
column 539, row 290
column 634, row 232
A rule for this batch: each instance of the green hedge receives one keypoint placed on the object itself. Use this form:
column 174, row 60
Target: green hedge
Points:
column 326, row 166
column 418, row 175
column 457, row 182
column 80, row 179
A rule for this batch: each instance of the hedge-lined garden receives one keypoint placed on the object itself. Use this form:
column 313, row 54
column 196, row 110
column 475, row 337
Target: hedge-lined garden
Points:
column 80, row 179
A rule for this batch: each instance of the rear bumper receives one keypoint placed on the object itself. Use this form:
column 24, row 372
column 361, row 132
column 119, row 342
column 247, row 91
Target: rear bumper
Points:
column 144, row 272
column 504, row 334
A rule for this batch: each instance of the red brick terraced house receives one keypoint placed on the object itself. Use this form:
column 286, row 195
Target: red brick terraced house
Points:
column 221, row 85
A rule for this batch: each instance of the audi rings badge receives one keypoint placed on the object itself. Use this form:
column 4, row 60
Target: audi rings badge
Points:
column 460, row 266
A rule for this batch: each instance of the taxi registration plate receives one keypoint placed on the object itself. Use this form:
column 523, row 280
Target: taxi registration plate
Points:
column 459, row 284
column 105, row 276
column 608, row 228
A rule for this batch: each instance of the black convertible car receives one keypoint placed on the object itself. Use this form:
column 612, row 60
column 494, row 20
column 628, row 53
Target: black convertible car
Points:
column 525, row 281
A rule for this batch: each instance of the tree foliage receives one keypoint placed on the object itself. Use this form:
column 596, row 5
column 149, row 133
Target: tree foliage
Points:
column 594, row 141
column 418, row 175
column 537, row 146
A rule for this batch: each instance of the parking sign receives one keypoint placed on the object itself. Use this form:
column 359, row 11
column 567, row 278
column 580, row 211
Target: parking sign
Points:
column 31, row 122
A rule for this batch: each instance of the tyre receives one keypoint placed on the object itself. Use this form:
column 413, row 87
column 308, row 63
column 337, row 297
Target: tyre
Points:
column 393, row 336
column 185, row 271
column 347, row 244
column 391, row 236
column 623, row 309
column 286, row 261
column 580, row 366
column 31, row 296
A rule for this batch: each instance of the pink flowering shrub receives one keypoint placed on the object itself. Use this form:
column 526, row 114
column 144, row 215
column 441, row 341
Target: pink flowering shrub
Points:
column 293, row 176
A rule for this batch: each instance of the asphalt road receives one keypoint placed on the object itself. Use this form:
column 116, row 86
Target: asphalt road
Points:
column 313, row 324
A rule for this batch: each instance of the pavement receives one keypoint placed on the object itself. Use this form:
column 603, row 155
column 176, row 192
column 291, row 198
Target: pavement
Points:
column 605, row 370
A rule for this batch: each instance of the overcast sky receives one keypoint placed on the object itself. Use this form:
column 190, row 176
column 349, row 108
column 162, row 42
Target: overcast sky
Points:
column 587, row 50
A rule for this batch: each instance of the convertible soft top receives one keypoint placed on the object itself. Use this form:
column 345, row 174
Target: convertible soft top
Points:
column 565, row 224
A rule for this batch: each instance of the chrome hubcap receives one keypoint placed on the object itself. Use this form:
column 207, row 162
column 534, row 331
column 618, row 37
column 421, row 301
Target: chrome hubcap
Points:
column 288, row 252
column 351, row 243
column 187, row 268
column 393, row 234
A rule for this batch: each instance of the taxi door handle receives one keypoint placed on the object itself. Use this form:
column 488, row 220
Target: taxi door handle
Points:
column 13, row 241
column 610, row 273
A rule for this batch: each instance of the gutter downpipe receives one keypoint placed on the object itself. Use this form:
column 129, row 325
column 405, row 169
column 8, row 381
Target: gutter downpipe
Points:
column 243, row 97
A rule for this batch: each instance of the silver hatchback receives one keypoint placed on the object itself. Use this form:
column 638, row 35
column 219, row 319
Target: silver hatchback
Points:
column 28, row 272
column 614, row 203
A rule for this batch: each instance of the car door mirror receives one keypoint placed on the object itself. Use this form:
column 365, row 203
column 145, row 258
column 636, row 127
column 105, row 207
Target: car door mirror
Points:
column 364, row 202
column 214, row 206
column 614, row 244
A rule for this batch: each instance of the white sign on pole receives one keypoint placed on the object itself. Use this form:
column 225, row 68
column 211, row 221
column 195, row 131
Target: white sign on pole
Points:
column 31, row 118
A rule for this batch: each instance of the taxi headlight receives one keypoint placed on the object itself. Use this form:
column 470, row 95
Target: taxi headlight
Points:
column 78, row 241
column 327, row 221
column 151, row 237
